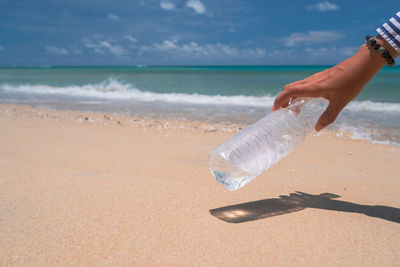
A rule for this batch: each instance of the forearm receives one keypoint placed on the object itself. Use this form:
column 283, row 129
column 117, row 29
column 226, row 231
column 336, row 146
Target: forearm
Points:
column 366, row 62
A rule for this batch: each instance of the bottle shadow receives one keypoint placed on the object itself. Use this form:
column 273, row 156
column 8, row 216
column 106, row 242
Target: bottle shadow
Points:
column 298, row 201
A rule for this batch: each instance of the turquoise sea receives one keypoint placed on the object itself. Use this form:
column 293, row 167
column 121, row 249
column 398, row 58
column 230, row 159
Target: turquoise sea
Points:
column 228, row 94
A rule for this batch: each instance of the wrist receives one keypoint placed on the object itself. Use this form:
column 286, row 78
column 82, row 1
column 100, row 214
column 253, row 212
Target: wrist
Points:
column 363, row 65
column 369, row 60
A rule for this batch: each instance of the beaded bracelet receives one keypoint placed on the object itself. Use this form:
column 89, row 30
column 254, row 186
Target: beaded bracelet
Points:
column 371, row 42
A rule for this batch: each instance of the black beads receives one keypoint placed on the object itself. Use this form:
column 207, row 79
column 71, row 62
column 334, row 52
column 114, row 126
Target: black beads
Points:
column 385, row 54
column 371, row 42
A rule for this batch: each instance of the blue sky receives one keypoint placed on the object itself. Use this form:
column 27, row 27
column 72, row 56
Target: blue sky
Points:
column 185, row 32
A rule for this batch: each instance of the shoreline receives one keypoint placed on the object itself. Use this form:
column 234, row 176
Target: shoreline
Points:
column 79, row 188
column 105, row 118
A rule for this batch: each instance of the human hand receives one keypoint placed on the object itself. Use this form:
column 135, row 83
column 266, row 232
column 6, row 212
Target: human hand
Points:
column 339, row 84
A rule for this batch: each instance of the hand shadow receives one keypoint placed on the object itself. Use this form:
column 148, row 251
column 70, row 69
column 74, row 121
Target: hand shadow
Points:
column 298, row 201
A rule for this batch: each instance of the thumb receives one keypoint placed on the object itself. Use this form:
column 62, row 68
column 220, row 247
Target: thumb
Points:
column 329, row 116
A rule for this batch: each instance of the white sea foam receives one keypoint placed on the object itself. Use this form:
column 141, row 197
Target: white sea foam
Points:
column 373, row 135
column 374, row 106
column 114, row 89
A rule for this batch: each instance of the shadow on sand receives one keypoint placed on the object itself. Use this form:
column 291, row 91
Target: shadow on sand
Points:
column 298, row 201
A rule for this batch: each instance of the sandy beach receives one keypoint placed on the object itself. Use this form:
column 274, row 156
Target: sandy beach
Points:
column 90, row 189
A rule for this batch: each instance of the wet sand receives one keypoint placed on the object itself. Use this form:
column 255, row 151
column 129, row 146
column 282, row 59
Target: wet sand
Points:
column 82, row 188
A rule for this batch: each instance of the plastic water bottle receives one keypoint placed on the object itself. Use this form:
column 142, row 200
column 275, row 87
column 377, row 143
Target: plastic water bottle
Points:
column 247, row 154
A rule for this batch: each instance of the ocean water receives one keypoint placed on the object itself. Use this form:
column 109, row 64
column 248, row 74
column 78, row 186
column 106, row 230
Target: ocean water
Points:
column 230, row 94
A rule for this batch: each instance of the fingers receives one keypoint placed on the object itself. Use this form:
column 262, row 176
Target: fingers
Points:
column 282, row 100
column 329, row 116
column 291, row 91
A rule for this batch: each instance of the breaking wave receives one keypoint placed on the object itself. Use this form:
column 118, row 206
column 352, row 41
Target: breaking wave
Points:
column 114, row 89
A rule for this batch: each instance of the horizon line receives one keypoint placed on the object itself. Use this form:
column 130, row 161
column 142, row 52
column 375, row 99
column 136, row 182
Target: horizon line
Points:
column 144, row 66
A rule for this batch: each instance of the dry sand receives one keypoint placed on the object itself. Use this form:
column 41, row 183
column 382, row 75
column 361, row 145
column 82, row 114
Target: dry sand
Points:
column 92, row 189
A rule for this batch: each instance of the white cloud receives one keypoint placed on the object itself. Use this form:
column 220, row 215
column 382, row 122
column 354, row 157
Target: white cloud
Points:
column 348, row 50
column 113, row 17
column 56, row 50
column 167, row 5
column 94, row 47
column 328, row 51
column 312, row 37
column 193, row 49
column 116, row 50
column 101, row 46
column 323, row 6
column 197, row 6
column 320, row 55
column 130, row 38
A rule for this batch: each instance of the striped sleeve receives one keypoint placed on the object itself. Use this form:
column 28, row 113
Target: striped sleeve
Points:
column 390, row 30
